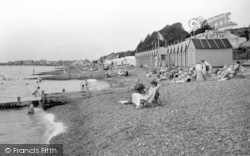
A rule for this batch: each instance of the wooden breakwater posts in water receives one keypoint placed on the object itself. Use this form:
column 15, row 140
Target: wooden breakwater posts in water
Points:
column 20, row 102
column 53, row 99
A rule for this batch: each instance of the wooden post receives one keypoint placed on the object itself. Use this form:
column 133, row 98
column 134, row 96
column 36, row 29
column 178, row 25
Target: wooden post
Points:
column 18, row 100
column 43, row 100
column 87, row 90
column 130, row 89
column 63, row 90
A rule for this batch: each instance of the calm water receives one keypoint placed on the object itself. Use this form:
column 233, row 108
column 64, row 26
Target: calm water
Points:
column 16, row 87
column 16, row 125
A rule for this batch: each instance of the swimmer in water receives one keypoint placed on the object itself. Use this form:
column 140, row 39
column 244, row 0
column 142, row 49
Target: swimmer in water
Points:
column 31, row 109
column 84, row 84
column 37, row 92
column 26, row 83
column 40, row 79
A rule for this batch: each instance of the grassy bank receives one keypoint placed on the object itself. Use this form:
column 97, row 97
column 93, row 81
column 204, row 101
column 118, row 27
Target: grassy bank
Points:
column 206, row 118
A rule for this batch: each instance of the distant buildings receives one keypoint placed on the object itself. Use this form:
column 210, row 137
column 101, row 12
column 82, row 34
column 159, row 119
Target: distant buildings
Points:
column 37, row 63
column 119, row 58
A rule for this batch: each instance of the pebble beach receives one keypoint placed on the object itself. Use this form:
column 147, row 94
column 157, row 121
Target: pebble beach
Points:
column 197, row 118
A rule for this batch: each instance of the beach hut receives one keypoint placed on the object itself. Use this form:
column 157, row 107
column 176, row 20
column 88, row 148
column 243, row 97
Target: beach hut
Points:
column 188, row 53
column 217, row 52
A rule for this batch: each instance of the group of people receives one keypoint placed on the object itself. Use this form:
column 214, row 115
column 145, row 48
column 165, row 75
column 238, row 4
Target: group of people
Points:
column 143, row 97
column 179, row 75
column 122, row 73
column 39, row 79
column 228, row 72
column 203, row 70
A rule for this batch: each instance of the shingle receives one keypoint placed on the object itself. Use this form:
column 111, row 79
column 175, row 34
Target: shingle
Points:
column 227, row 43
column 219, row 43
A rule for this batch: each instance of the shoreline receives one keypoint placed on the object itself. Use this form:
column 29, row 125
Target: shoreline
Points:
column 196, row 118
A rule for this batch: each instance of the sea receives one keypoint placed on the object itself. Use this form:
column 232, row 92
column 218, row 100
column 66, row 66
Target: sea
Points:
column 16, row 127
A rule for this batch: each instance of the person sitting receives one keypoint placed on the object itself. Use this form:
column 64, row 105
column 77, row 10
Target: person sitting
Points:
column 138, row 89
column 149, row 74
column 125, row 73
column 107, row 74
column 152, row 95
column 162, row 76
column 26, row 83
column 162, row 71
column 121, row 73
column 230, row 72
column 106, row 68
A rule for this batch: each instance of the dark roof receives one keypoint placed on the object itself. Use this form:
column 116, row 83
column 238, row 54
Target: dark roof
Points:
column 219, row 43
column 227, row 43
column 197, row 44
column 211, row 43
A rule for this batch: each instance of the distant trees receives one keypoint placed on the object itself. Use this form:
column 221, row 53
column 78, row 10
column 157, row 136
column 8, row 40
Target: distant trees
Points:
column 172, row 33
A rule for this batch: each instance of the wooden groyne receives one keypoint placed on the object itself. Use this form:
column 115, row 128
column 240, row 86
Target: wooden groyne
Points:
column 48, row 100
column 20, row 103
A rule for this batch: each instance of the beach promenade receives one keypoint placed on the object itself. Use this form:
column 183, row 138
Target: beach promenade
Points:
column 198, row 118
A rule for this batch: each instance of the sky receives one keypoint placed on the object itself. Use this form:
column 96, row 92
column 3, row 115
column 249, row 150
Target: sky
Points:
column 80, row 29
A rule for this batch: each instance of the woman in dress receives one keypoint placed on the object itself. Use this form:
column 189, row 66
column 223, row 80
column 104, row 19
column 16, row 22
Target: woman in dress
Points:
column 199, row 74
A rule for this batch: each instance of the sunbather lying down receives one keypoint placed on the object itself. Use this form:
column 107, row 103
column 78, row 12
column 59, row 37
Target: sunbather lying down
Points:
column 147, row 99
column 228, row 72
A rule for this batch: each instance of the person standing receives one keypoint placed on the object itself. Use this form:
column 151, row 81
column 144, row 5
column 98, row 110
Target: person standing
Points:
column 199, row 75
column 206, row 69
column 84, row 85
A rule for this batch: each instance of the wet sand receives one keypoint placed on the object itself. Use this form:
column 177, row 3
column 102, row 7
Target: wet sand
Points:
column 198, row 118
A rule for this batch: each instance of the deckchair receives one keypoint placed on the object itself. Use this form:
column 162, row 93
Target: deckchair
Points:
column 238, row 71
column 156, row 100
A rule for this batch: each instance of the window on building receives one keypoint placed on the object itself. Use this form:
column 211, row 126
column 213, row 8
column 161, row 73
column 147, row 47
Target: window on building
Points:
column 162, row 57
